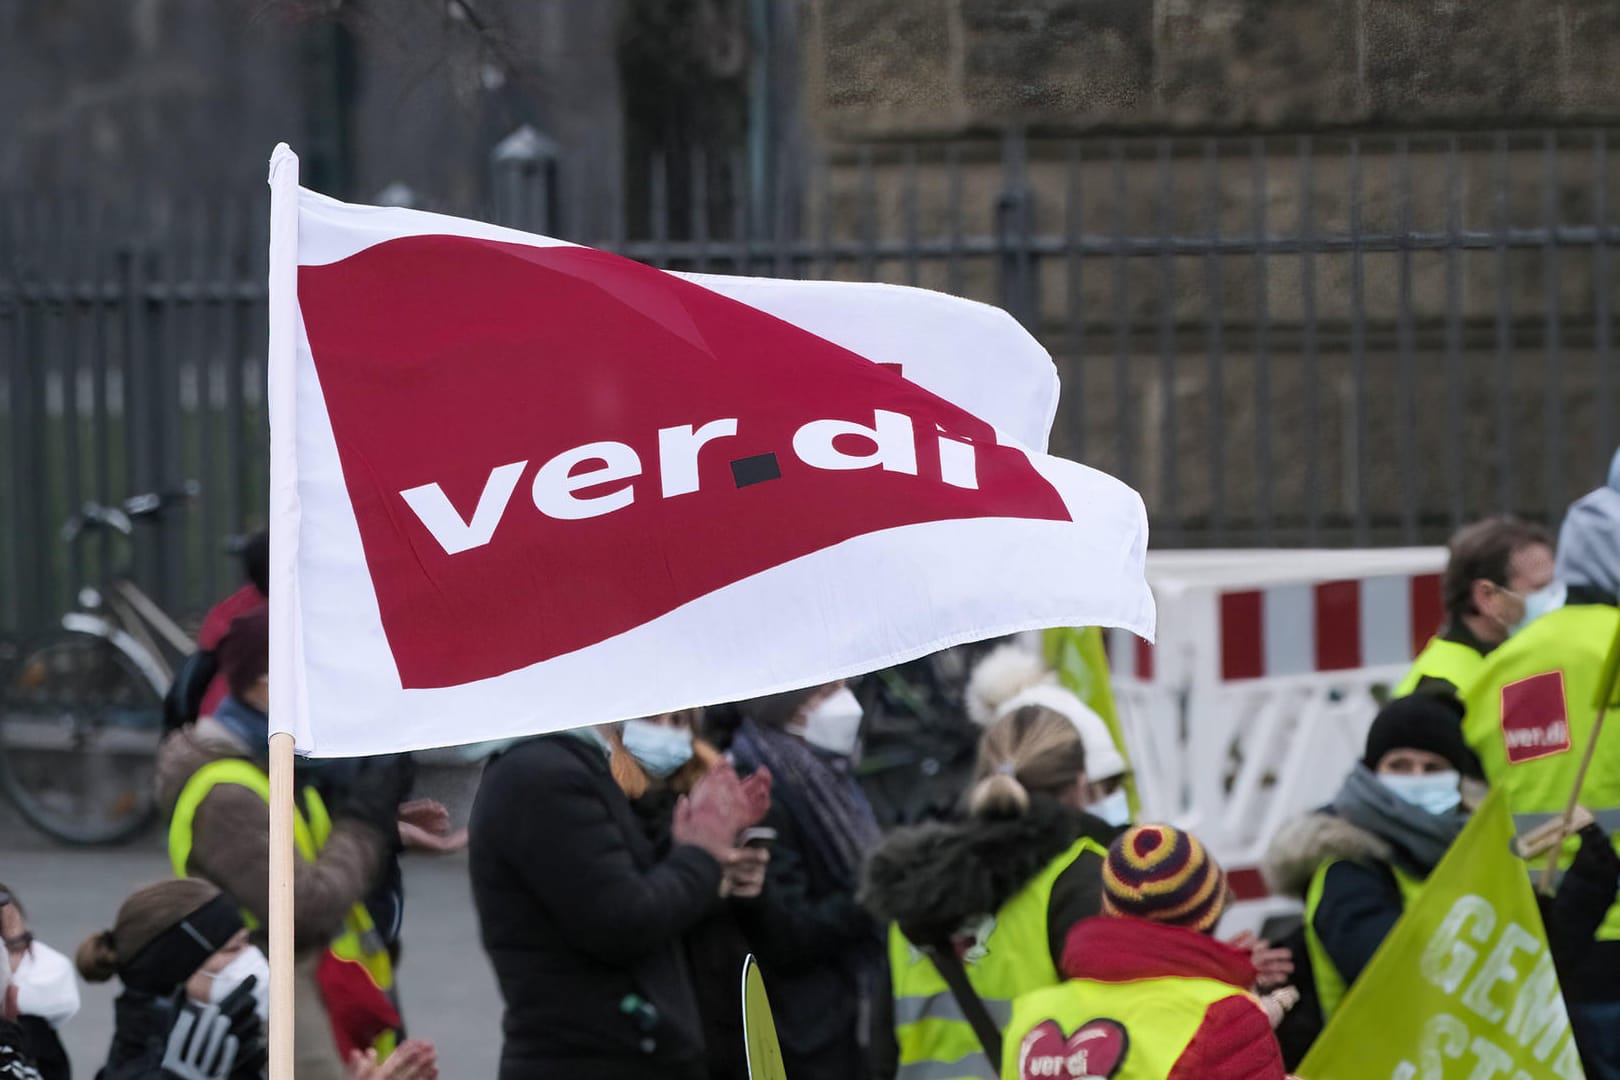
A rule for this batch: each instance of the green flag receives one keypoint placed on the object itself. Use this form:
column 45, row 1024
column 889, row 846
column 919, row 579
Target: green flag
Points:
column 1076, row 653
column 1464, row 985
column 759, row 1028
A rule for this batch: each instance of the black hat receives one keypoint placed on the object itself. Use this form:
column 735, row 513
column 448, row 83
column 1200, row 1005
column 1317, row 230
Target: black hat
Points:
column 1429, row 721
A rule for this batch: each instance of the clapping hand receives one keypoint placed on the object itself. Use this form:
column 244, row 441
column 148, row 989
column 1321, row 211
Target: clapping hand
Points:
column 1273, row 965
column 415, row 1059
column 424, row 825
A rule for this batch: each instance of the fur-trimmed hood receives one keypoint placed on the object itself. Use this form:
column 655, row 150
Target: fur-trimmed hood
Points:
column 933, row 878
column 1303, row 845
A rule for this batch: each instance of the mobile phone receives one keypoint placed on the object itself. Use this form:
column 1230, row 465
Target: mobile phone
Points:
column 759, row 836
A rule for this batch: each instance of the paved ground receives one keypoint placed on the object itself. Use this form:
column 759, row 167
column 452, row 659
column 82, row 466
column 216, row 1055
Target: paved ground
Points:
column 449, row 991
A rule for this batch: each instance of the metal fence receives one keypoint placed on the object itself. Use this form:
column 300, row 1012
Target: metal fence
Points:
column 1322, row 339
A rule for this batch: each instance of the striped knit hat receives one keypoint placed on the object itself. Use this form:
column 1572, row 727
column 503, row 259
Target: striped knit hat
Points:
column 1159, row 873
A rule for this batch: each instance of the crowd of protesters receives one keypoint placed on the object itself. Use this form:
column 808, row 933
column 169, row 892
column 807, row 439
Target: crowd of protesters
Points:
column 622, row 873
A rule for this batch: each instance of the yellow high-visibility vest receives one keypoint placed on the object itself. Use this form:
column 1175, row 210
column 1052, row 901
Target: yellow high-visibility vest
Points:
column 1330, row 984
column 358, row 941
column 1452, row 661
column 1010, row 956
column 1146, row 1024
column 1530, row 716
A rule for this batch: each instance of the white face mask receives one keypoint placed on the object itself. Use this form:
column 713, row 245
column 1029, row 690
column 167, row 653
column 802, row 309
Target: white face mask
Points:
column 46, row 985
column 658, row 748
column 835, row 724
column 1436, row 793
column 250, row 961
column 1115, row 809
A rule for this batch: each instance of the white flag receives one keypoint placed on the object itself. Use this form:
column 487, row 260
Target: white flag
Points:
column 520, row 485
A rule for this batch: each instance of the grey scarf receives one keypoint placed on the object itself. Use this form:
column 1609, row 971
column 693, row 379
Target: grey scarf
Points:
column 1418, row 837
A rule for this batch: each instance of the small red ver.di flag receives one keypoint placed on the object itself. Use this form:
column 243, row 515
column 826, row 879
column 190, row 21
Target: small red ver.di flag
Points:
column 521, row 485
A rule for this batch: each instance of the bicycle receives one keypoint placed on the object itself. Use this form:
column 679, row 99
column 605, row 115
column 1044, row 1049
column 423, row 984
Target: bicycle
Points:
column 81, row 712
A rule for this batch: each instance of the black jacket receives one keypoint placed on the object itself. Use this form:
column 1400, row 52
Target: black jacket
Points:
column 16, row 1063
column 819, row 953
column 583, row 922
column 715, row 949
column 141, row 1028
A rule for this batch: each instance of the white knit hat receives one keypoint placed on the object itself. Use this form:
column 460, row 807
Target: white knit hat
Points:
column 1010, row 677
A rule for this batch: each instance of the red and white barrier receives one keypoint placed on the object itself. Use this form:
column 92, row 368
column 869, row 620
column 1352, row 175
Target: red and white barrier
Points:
column 1256, row 699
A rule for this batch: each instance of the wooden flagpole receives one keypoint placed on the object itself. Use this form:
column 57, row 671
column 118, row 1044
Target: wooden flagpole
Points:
column 281, row 906
column 1605, row 695
column 281, row 364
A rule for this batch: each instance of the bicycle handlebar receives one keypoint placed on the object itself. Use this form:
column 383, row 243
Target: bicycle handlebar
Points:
column 121, row 518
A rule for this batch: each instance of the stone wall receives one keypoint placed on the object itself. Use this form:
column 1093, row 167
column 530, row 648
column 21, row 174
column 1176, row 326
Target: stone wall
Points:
column 892, row 68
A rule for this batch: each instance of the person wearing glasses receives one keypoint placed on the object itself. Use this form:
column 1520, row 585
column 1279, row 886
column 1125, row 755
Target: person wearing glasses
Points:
column 47, row 988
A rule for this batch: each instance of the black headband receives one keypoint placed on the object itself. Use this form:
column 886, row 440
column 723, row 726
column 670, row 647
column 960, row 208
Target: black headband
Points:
column 175, row 955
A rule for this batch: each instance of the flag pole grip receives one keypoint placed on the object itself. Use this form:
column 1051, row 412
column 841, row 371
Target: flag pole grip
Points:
column 281, row 906
column 1606, row 685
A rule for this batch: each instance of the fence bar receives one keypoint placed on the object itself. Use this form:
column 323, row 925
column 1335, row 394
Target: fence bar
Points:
column 908, row 213
column 1169, row 430
column 236, row 355
column 1358, row 353
column 78, row 250
column 167, row 532
column 1312, row 362
column 1406, row 379
column 1552, row 396
column 26, row 522
column 1073, row 223
column 1214, row 324
column 1455, row 495
column 1266, row 478
column 868, row 217
column 1504, row 327
column 824, row 225
column 1602, row 331
column 659, row 194
column 212, row 263
column 780, row 266
column 953, row 199
column 742, row 241
column 1125, row 464
column 697, row 207
column 104, row 311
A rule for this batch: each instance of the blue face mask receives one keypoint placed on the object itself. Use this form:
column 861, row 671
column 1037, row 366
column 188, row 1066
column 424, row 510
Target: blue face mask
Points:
column 1549, row 597
column 1115, row 809
column 659, row 749
column 1436, row 793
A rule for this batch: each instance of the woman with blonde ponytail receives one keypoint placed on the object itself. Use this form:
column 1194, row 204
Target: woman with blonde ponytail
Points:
column 999, row 888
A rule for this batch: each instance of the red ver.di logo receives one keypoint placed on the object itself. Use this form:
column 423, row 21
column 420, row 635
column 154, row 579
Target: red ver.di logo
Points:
column 546, row 447
column 1094, row 1052
column 1535, row 718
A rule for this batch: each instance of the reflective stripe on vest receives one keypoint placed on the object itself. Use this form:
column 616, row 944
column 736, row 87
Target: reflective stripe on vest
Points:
column 1547, row 676
column 1011, row 955
column 1159, row 1017
column 916, row 1009
column 359, row 940
column 1330, row 985
column 1452, row 661
column 975, row 1065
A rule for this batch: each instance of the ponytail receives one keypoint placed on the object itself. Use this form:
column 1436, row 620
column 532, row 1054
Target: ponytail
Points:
column 1031, row 751
column 998, row 795
column 97, row 958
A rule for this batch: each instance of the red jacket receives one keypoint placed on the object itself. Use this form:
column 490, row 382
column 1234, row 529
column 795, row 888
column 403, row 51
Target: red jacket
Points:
column 1235, row 1040
column 214, row 626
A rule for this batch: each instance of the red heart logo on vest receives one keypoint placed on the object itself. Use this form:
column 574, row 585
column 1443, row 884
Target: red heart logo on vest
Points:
column 1094, row 1052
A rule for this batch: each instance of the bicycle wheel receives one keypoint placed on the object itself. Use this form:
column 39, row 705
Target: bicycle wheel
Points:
column 79, row 729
